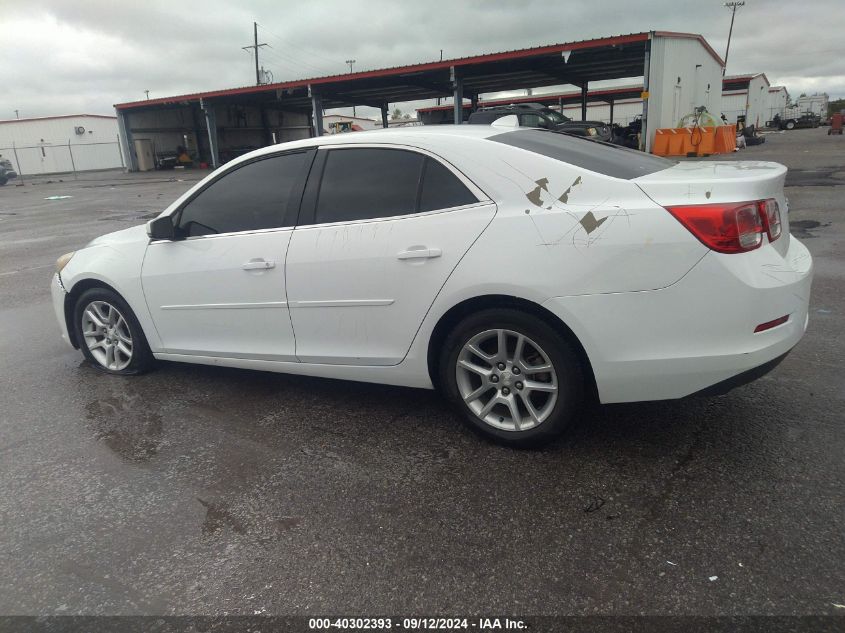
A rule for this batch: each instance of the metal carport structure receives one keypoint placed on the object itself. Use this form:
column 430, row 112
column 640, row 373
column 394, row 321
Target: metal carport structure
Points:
column 260, row 115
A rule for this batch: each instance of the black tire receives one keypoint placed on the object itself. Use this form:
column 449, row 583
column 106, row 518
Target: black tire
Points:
column 790, row 125
column 3, row 180
column 142, row 359
column 560, row 352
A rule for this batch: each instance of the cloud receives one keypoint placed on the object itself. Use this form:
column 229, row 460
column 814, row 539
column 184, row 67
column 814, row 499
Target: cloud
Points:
column 63, row 57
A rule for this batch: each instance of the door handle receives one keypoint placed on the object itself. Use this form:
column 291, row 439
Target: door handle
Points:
column 259, row 264
column 419, row 252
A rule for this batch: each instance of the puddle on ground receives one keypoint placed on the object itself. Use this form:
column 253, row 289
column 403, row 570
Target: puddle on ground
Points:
column 802, row 228
column 124, row 425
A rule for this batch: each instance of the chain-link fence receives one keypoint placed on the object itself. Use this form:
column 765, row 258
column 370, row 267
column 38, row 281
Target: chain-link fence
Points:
column 54, row 158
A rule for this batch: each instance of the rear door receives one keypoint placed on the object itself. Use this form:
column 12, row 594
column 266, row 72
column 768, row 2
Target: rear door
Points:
column 381, row 230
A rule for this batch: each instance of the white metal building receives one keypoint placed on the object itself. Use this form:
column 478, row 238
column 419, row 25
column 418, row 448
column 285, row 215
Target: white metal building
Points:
column 778, row 101
column 56, row 144
column 684, row 73
column 748, row 95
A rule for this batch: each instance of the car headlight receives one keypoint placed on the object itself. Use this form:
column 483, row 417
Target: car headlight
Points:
column 591, row 131
column 62, row 261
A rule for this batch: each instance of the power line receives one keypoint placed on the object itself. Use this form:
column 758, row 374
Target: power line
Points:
column 307, row 51
column 287, row 59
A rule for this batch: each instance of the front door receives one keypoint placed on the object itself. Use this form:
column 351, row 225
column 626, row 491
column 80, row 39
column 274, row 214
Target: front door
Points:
column 384, row 230
column 220, row 289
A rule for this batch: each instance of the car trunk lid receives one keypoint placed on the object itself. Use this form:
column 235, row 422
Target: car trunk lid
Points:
column 713, row 182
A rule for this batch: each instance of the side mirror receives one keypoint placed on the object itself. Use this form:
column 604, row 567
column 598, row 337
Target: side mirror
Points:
column 161, row 228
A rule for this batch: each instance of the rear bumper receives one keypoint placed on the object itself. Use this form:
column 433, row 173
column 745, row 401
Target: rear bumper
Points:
column 698, row 334
column 726, row 386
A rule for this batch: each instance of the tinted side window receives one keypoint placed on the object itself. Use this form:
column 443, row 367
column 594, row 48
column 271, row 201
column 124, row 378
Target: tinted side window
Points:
column 255, row 196
column 441, row 189
column 602, row 158
column 365, row 183
column 532, row 119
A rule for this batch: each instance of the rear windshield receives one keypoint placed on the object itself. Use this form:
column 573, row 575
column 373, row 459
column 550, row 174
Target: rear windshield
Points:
column 602, row 158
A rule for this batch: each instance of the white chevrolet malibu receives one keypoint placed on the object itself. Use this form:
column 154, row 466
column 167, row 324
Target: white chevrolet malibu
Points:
column 517, row 271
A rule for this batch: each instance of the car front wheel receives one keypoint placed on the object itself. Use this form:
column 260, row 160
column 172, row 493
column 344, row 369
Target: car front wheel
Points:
column 790, row 125
column 109, row 335
column 515, row 378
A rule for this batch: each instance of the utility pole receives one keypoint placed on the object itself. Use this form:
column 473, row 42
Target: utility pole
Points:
column 350, row 62
column 255, row 46
column 147, row 92
column 733, row 6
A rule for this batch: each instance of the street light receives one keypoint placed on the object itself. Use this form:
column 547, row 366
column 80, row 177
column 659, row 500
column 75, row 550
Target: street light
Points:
column 350, row 62
column 733, row 6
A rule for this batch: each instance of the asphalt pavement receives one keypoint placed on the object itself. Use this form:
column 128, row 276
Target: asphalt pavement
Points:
column 204, row 490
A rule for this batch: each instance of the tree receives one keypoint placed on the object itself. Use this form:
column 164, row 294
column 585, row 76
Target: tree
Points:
column 396, row 115
column 835, row 106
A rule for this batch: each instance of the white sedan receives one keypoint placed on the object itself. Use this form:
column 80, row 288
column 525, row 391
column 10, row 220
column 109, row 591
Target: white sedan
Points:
column 516, row 270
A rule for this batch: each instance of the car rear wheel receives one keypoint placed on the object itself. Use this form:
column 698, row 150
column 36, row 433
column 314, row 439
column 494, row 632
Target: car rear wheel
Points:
column 109, row 334
column 515, row 379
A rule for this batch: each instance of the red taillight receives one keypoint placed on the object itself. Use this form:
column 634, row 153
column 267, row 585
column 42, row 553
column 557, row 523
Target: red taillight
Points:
column 768, row 325
column 726, row 228
column 770, row 212
column 735, row 227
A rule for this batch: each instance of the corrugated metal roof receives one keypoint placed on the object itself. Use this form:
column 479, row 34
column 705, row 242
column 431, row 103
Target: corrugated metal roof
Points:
column 400, row 70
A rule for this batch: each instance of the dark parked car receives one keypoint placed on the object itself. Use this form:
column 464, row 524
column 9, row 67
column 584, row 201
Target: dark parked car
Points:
column 7, row 172
column 538, row 115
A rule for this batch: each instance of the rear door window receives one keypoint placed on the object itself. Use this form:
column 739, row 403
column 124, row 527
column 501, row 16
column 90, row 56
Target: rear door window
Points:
column 602, row 158
column 367, row 183
column 441, row 189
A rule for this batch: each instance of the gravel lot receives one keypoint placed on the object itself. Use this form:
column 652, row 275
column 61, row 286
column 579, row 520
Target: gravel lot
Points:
column 202, row 490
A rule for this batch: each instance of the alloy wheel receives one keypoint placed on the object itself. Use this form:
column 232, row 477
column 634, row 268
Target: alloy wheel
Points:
column 507, row 380
column 107, row 335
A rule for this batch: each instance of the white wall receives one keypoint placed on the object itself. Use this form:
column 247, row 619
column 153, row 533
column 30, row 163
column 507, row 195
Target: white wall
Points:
column 682, row 76
column 41, row 145
column 758, row 101
column 778, row 98
column 734, row 104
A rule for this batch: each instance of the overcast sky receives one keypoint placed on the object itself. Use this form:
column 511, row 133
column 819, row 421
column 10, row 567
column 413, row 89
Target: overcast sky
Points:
column 63, row 56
